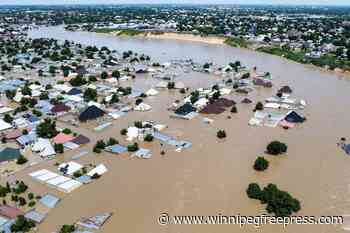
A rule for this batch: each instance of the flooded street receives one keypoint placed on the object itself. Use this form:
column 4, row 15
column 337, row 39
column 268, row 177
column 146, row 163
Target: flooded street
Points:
column 212, row 176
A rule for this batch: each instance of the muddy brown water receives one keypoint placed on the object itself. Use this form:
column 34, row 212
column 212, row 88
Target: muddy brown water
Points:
column 212, row 176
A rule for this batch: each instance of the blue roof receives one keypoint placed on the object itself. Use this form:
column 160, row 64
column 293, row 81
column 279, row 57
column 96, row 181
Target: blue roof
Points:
column 7, row 87
column 27, row 139
column 44, row 106
column 74, row 91
column 118, row 149
column 84, row 179
column 346, row 148
column 49, row 200
column 33, row 118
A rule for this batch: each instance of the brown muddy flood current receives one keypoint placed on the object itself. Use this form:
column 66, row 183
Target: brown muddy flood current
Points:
column 212, row 176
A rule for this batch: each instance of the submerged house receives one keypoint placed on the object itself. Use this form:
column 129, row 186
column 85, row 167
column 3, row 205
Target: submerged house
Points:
column 91, row 113
column 9, row 154
column 186, row 111
column 294, row 117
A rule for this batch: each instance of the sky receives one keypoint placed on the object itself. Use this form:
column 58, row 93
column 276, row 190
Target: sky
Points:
column 279, row 2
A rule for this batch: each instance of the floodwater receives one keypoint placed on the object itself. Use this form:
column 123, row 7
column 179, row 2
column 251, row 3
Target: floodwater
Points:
column 211, row 177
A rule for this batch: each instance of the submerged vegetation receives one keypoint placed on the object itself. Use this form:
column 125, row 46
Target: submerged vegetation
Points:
column 278, row 202
column 238, row 42
column 119, row 32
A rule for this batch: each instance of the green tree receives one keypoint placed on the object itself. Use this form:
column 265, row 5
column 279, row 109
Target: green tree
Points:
column 104, row 75
column 47, row 129
column 90, row 95
column 276, row 148
column 261, row 164
column 21, row 160
column 8, row 118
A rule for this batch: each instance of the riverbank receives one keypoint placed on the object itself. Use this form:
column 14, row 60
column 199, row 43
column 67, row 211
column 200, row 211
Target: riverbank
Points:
column 325, row 63
column 187, row 37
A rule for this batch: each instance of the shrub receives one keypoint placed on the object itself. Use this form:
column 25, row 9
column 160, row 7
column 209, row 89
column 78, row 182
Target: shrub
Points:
column 138, row 101
column 138, row 124
column 279, row 202
column 59, row 148
column 171, row 85
column 254, row 191
column 100, row 145
column 8, row 118
column 77, row 174
column 20, row 188
column 21, row 160
column 31, row 203
column 67, row 131
column 276, row 148
column 22, row 201
column 234, row 109
column 261, row 164
column 22, row 224
column 133, row 147
column 67, row 229
column 112, row 141
column 123, row 131
column 148, row 138
column 221, row 134
column 96, row 150
column 30, row 196
column 259, row 107
column 46, row 129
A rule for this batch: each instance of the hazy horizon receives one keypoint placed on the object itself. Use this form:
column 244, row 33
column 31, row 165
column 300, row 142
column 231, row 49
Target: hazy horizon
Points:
column 241, row 2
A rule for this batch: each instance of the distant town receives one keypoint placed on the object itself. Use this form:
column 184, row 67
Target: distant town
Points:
column 310, row 35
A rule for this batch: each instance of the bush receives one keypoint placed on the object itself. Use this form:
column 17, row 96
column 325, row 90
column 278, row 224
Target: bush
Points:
column 259, row 107
column 77, row 174
column 20, row 188
column 95, row 176
column 59, row 148
column 254, row 191
column 221, row 134
column 8, row 118
column 138, row 124
column 46, row 129
column 100, row 144
column 67, row 131
column 31, row 203
column 30, row 196
column 133, row 147
column 67, row 229
column 171, row 85
column 97, row 150
column 278, row 202
column 112, row 141
column 123, row 132
column 22, row 201
column 276, row 148
column 138, row 101
column 21, row 160
column 148, row 138
column 261, row 164
column 234, row 109
column 22, row 224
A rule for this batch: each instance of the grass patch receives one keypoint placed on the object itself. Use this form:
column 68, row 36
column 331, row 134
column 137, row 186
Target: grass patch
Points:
column 237, row 42
column 123, row 32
